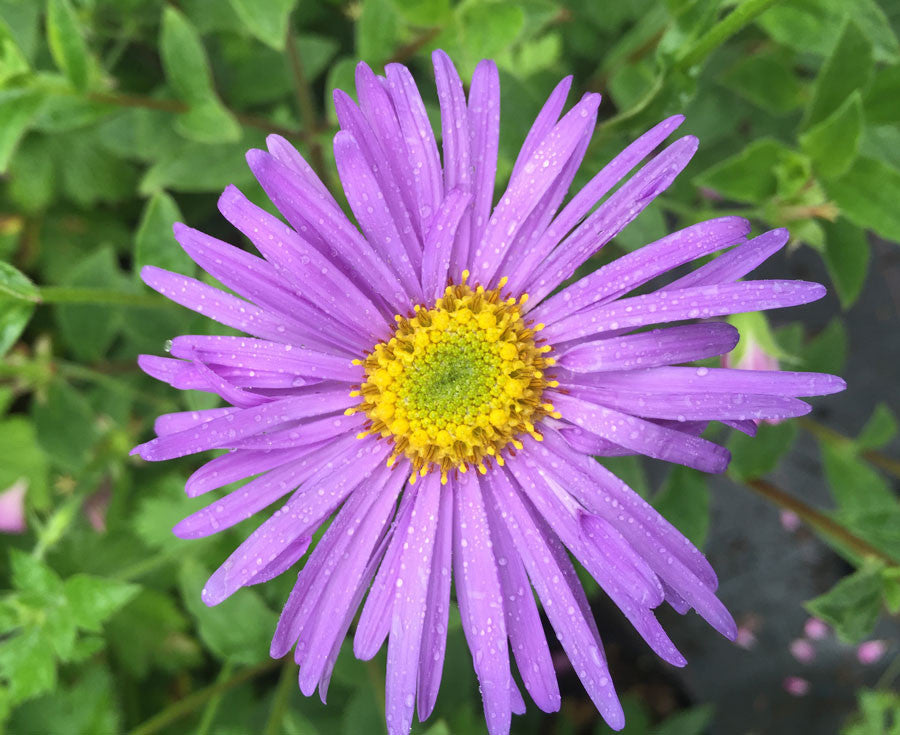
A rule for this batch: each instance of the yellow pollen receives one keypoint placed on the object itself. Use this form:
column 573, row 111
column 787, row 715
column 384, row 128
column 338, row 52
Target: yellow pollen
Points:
column 456, row 384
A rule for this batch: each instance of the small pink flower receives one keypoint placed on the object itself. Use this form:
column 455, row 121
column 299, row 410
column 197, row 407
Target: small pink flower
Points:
column 796, row 686
column 790, row 521
column 815, row 629
column 870, row 652
column 746, row 638
column 96, row 506
column 12, row 508
column 803, row 650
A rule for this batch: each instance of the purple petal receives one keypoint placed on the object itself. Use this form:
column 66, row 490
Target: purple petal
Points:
column 300, row 515
column 480, row 602
column 611, row 217
column 171, row 423
column 423, row 153
column 442, row 233
column 484, row 127
column 437, row 610
column 551, row 574
column 409, row 608
column 640, row 266
column 584, row 201
column 642, row 436
column 736, row 263
column 237, row 465
column 651, row 349
column 544, row 122
column 701, row 302
column 284, row 152
column 370, row 209
column 526, row 190
column 526, row 632
column 303, row 432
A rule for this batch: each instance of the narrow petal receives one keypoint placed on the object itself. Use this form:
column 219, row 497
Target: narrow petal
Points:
column 700, row 302
column 481, row 602
column 484, row 129
column 456, row 142
column 546, row 118
column 409, row 611
column 736, row 263
column 634, row 269
column 171, row 423
column 437, row 611
column 651, row 349
column 611, row 217
column 526, row 632
column 303, row 431
column 642, row 436
column 567, row 611
column 442, row 233
column 285, row 152
column 237, row 465
column 585, row 200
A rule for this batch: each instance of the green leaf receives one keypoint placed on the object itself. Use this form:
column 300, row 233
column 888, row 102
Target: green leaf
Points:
column 14, row 317
column 238, row 629
column 767, row 80
column 92, row 600
column 18, row 108
column 867, row 195
column 879, row 714
column 154, row 243
column 488, row 29
column 892, row 589
column 89, row 330
column 684, row 501
column 847, row 257
column 268, row 21
column 208, row 122
column 16, row 284
column 748, row 176
column 879, row 429
column 755, row 456
column 847, row 70
column 31, row 575
column 67, row 45
column 882, row 103
column 23, row 459
column 66, row 427
column 855, row 485
column 28, row 664
column 193, row 167
column 827, row 351
column 693, row 721
column 649, row 226
column 853, row 605
column 376, row 31
column 425, row 13
column 32, row 180
column 833, row 143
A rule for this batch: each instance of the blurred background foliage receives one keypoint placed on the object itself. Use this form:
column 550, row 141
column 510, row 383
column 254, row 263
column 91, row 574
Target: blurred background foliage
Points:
column 118, row 117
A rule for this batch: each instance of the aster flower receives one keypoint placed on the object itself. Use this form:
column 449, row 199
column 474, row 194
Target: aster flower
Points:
column 429, row 382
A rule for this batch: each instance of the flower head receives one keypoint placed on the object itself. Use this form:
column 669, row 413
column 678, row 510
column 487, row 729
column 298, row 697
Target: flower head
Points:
column 427, row 380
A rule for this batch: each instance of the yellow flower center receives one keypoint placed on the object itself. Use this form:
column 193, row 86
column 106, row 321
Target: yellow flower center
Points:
column 457, row 383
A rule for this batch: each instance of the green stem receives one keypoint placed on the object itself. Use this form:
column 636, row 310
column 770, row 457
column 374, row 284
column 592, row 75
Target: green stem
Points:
column 193, row 702
column 212, row 706
column 741, row 16
column 286, row 685
column 818, row 520
column 98, row 296
column 825, row 433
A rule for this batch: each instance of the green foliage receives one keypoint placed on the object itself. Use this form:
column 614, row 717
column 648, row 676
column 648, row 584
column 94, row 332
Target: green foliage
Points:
column 852, row 606
column 118, row 118
column 879, row 714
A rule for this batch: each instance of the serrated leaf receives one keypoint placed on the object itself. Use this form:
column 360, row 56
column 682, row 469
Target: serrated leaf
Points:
column 684, row 501
column 879, row 429
column 847, row 70
column 67, row 44
column 154, row 243
column 92, row 600
column 855, row 485
column 268, row 21
column 18, row 108
column 748, row 176
column 31, row 575
column 847, row 258
column 755, row 456
column 853, row 605
column 833, row 143
column 16, row 284
column 867, row 195
column 238, row 629
column 28, row 664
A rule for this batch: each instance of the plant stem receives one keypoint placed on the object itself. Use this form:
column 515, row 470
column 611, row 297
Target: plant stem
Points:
column 741, row 16
column 818, row 520
column 192, row 702
column 825, row 433
column 99, row 296
column 212, row 706
column 282, row 698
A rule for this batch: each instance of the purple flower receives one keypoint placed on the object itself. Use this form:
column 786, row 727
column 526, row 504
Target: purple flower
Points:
column 424, row 381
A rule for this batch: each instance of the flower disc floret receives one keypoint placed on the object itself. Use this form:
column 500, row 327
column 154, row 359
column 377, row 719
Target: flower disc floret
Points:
column 457, row 383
